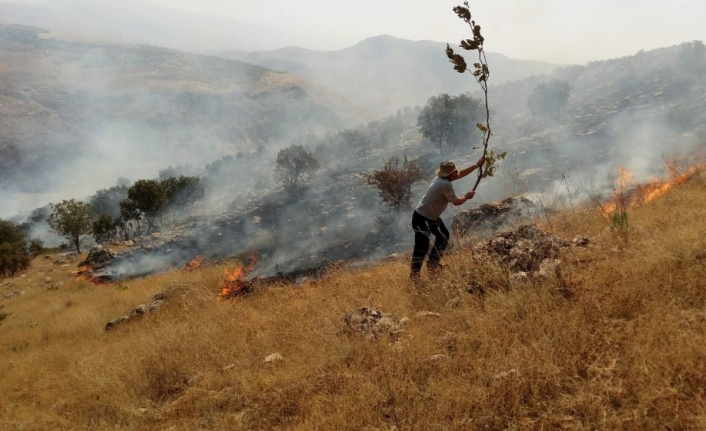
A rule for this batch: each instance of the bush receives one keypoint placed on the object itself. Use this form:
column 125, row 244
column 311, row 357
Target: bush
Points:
column 394, row 183
column 14, row 253
column 294, row 167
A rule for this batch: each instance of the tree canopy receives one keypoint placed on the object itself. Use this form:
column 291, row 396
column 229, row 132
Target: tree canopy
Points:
column 548, row 98
column 147, row 197
column 72, row 220
column 294, row 167
column 450, row 122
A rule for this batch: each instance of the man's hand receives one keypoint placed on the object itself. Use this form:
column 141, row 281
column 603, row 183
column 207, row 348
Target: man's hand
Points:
column 480, row 163
column 470, row 195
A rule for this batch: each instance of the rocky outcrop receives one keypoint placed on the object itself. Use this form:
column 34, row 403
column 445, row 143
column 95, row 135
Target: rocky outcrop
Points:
column 527, row 249
column 155, row 304
column 491, row 215
column 98, row 257
column 373, row 324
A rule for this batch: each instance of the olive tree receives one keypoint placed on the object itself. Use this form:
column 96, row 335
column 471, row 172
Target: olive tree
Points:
column 72, row 220
column 450, row 122
column 294, row 167
column 148, row 198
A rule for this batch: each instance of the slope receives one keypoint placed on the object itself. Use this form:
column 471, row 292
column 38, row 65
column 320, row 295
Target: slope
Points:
column 613, row 340
column 130, row 110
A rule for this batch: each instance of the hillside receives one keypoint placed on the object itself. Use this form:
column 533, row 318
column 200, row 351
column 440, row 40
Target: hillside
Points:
column 143, row 22
column 387, row 73
column 611, row 340
column 115, row 110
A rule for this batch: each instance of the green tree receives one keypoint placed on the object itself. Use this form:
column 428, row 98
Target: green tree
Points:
column 183, row 191
column 104, row 231
column 449, row 122
column 355, row 142
column 149, row 198
column 9, row 232
column 549, row 98
column 294, row 167
column 107, row 201
column 72, row 220
column 129, row 213
column 394, row 182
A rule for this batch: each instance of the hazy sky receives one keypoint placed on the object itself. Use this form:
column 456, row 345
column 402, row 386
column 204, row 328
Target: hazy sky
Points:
column 565, row 31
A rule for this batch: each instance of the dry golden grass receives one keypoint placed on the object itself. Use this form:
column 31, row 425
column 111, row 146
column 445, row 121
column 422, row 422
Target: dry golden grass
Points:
column 616, row 341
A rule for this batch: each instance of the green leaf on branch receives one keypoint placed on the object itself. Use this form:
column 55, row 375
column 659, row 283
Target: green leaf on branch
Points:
column 463, row 13
column 458, row 61
column 482, row 127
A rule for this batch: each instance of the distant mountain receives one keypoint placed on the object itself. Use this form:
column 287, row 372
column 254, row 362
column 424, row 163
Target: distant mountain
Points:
column 136, row 21
column 387, row 73
column 112, row 110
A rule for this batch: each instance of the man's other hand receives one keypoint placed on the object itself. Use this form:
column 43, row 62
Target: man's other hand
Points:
column 470, row 195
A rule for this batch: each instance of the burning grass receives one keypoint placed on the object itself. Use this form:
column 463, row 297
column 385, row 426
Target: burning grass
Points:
column 624, row 350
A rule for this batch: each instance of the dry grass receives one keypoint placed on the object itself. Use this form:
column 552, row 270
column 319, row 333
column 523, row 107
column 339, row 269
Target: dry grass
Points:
column 616, row 341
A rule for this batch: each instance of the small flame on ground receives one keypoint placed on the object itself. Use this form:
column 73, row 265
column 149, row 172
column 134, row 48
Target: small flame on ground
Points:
column 234, row 282
column 643, row 193
column 195, row 263
column 85, row 273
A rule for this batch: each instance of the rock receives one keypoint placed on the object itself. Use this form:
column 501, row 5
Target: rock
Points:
column 129, row 243
column 505, row 374
column 436, row 358
column 48, row 279
column 427, row 314
column 156, row 303
column 48, row 256
column 580, row 241
column 493, row 214
column 98, row 257
column 548, row 267
column 275, row 357
column 373, row 323
column 518, row 278
column 453, row 303
column 14, row 294
column 523, row 249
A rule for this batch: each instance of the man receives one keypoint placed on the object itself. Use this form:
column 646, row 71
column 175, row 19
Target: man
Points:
column 427, row 221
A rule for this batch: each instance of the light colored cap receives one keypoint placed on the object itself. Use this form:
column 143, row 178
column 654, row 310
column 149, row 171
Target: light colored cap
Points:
column 446, row 169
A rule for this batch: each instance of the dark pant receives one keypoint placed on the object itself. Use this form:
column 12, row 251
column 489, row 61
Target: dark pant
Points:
column 423, row 228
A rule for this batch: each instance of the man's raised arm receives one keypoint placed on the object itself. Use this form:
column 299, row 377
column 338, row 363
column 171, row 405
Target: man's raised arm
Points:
column 464, row 172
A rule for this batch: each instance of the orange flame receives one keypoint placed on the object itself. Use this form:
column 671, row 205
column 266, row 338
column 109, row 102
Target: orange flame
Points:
column 643, row 193
column 195, row 263
column 234, row 282
column 85, row 273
